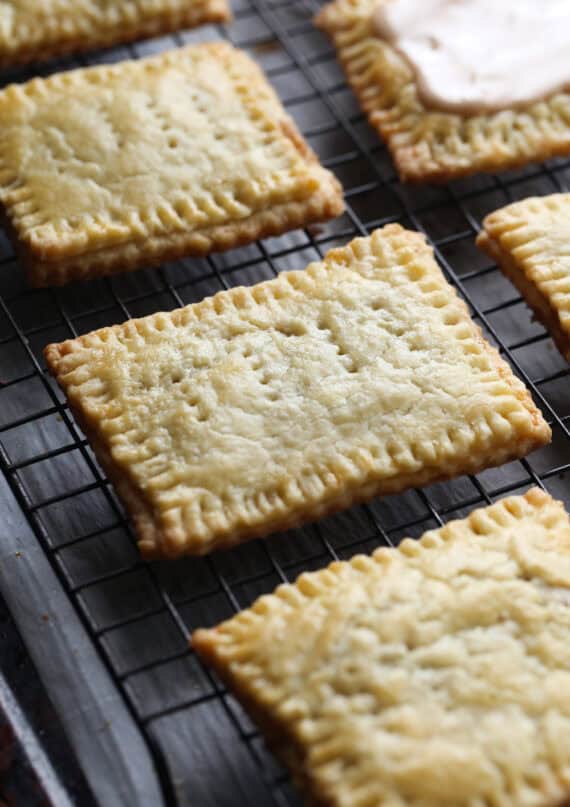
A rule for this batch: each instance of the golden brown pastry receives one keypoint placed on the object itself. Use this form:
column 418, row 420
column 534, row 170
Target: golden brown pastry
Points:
column 434, row 674
column 264, row 407
column 431, row 144
column 32, row 30
column 530, row 241
column 110, row 168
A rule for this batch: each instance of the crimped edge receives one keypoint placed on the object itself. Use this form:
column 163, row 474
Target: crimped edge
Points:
column 224, row 647
column 424, row 144
column 22, row 50
column 322, row 492
column 489, row 241
column 325, row 204
column 50, row 262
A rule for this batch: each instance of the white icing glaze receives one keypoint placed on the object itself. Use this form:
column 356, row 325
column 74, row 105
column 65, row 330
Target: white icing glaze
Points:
column 477, row 56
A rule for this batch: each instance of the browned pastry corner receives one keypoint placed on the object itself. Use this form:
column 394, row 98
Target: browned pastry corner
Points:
column 530, row 241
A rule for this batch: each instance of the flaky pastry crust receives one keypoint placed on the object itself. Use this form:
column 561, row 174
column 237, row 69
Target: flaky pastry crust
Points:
column 530, row 241
column 434, row 674
column 110, row 168
column 264, row 407
column 429, row 145
column 34, row 30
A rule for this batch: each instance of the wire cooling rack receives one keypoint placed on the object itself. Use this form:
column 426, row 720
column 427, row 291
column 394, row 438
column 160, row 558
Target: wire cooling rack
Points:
column 139, row 616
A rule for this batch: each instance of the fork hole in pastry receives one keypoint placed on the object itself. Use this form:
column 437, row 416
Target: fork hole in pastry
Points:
column 292, row 329
column 415, row 271
column 452, row 318
column 176, row 377
column 348, row 362
column 413, row 341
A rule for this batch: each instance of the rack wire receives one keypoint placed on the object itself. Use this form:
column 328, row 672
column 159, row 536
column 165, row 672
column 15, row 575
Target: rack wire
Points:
column 139, row 615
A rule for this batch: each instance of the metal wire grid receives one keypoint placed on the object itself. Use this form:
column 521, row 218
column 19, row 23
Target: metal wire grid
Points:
column 140, row 615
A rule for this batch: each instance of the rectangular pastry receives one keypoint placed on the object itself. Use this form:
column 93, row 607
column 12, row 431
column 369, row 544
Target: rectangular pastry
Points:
column 433, row 674
column 32, row 30
column 115, row 167
column 263, row 407
column 431, row 144
column 530, row 241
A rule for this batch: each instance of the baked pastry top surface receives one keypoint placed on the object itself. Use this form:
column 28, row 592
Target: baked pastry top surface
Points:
column 434, row 674
column 166, row 148
column 38, row 29
column 431, row 145
column 265, row 406
column 530, row 240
